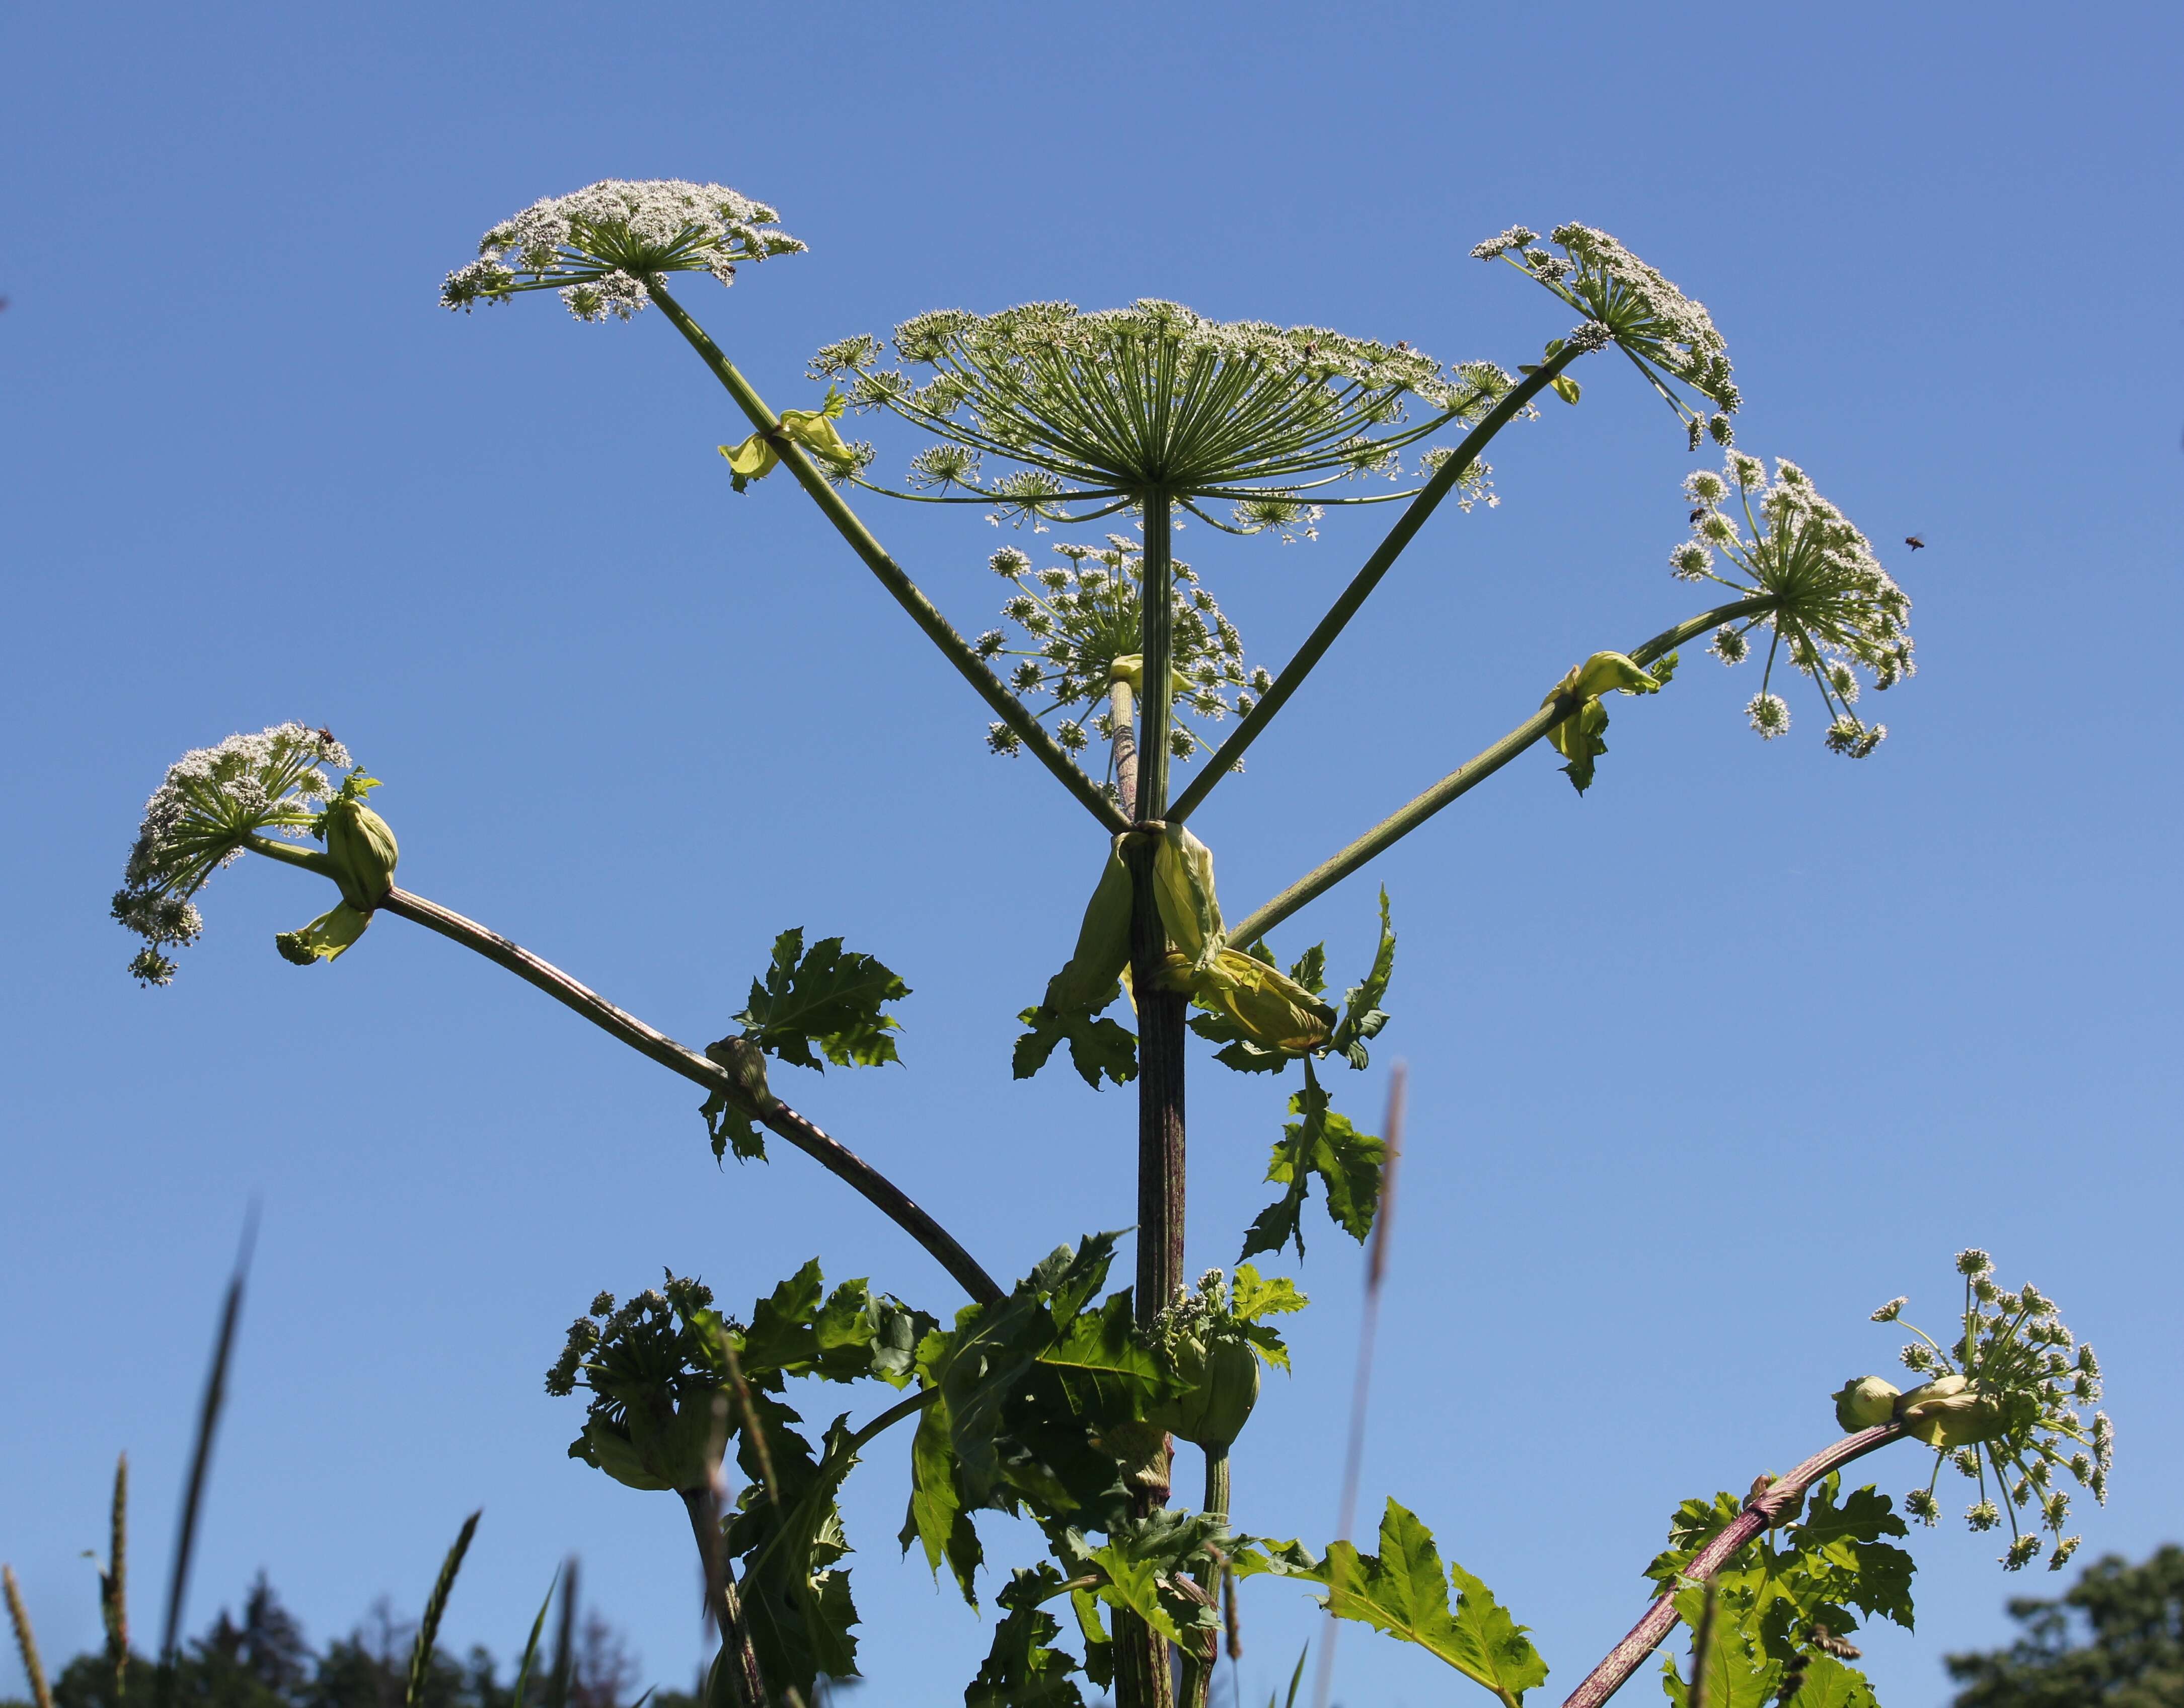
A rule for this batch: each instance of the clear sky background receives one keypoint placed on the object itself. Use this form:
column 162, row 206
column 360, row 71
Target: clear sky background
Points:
column 1705, row 1065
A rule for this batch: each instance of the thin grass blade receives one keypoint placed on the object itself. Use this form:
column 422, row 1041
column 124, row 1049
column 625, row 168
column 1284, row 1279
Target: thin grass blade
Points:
column 26, row 1642
column 531, row 1648
column 215, row 1394
column 428, row 1628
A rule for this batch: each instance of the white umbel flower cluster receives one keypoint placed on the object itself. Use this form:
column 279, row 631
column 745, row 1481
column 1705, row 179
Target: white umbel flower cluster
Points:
column 213, row 800
column 599, row 246
column 1078, row 624
column 1667, row 333
column 1832, row 610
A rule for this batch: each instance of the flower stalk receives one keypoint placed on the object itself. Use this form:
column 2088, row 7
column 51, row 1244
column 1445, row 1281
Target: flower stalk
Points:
column 1466, row 777
column 838, row 1160
column 1762, row 1510
column 906, row 592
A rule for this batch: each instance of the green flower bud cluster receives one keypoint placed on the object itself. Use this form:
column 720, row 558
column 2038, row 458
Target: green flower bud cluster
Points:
column 2002, row 1400
column 1213, row 1339
column 658, row 1372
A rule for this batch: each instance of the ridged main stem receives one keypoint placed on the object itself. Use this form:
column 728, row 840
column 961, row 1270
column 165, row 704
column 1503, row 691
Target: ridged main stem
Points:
column 1143, row 1679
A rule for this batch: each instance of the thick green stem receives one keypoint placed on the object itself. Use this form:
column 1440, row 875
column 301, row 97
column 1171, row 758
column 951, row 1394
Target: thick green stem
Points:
column 836, row 1158
column 1466, row 777
column 1362, row 584
column 723, row 1605
column 1122, row 715
column 923, row 612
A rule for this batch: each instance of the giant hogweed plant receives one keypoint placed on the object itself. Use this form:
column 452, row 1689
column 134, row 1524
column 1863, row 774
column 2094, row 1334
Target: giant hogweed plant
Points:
column 1058, row 1399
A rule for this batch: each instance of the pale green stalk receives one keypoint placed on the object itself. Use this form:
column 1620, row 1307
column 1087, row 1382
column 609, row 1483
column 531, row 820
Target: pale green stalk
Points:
column 1316, row 643
column 906, row 592
column 836, row 1158
column 1466, row 777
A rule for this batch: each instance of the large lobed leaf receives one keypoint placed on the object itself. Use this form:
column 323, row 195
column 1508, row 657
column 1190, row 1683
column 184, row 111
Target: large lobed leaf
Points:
column 826, row 996
column 1403, row 1592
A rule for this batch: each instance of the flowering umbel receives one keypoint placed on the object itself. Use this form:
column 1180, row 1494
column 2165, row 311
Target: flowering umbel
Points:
column 655, row 1367
column 1080, row 625
column 602, row 247
column 2002, row 1399
column 1830, row 610
column 1110, row 408
column 201, row 818
column 1670, row 338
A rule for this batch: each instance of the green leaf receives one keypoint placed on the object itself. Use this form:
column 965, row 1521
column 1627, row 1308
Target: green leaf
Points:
column 1734, row 1679
column 1565, row 387
column 1829, row 1683
column 796, row 1601
column 1021, row 1670
column 1325, row 1144
column 1402, row 1593
column 1310, row 970
column 1142, row 1556
column 1239, row 1052
column 1577, row 739
column 846, row 1336
column 826, row 997
column 728, row 1127
column 937, row 1518
column 1362, row 1018
column 1869, row 1574
column 1098, row 1048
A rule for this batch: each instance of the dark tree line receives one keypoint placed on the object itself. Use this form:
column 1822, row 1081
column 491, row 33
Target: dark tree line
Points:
column 2115, row 1639
column 262, row 1660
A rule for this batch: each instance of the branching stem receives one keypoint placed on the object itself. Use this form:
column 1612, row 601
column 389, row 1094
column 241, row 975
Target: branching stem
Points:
column 1466, row 777
column 1362, row 584
column 1784, row 1491
column 838, row 1160
column 923, row 612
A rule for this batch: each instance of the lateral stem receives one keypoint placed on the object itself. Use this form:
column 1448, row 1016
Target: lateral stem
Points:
column 906, row 592
column 1660, row 1619
column 1465, row 777
column 838, row 1160
column 1362, row 584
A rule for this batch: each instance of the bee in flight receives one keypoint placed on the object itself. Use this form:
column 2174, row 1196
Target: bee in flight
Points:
column 1914, row 542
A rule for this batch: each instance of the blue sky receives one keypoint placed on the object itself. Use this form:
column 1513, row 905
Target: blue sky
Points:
column 1703, row 1065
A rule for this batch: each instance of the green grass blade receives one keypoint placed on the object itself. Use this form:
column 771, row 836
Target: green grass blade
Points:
column 531, row 1648
column 25, row 1641
column 428, row 1628
column 215, row 1393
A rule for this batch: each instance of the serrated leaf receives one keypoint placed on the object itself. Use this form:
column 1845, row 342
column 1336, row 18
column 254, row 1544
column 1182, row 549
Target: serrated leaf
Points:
column 1870, row 1574
column 1098, row 1048
column 1830, row 1684
column 1252, row 1296
column 728, row 1127
column 1022, row 1670
column 1578, row 738
column 1402, row 1592
column 845, row 1336
column 1324, row 1144
column 1362, row 1015
column 825, row 996
column 1734, row 1679
column 1142, row 1556
column 938, row 1519
column 1310, row 970
column 789, row 1537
